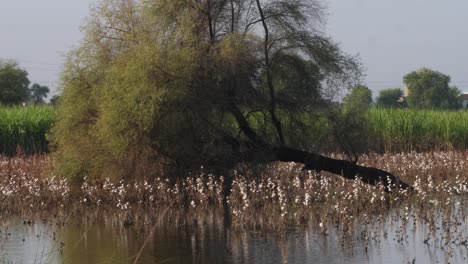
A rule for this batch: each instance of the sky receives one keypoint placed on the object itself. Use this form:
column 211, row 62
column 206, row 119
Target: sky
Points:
column 392, row 37
column 395, row 37
column 38, row 34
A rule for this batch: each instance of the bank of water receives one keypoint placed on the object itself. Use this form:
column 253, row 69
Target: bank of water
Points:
column 104, row 238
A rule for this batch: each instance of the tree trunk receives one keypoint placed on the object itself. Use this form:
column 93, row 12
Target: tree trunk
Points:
column 346, row 169
column 264, row 152
column 314, row 161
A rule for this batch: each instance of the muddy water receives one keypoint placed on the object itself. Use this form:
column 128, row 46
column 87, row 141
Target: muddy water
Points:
column 106, row 240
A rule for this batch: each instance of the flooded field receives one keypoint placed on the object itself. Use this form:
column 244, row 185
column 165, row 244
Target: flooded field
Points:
column 281, row 214
column 101, row 238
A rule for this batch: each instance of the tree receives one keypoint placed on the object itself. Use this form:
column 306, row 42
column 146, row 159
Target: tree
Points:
column 14, row 83
column 190, row 83
column 430, row 89
column 38, row 93
column 390, row 98
column 349, row 122
column 453, row 98
column 359, row 98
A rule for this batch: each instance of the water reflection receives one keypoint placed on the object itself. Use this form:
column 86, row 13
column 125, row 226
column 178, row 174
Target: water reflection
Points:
column 206, row 240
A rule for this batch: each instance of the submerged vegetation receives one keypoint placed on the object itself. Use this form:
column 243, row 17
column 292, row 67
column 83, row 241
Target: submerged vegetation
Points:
column 279, row 200
column 272, row 198
column 182, row 109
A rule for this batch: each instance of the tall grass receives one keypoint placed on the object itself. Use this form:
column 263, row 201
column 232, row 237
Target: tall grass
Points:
column 25, row 128
column 406, row 129
column 389, row 129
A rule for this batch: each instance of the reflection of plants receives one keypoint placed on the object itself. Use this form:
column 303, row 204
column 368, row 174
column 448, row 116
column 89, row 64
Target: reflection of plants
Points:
column 274, row 197
column 3, row 260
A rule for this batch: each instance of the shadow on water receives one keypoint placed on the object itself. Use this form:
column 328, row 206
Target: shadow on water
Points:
column 100, row 237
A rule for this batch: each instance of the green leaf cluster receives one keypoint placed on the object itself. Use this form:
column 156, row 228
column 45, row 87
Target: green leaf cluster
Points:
column 161, row 82
column 391, row 98
column 14, row 86
column 359, row 99
column 429, row 89
column 14, row 83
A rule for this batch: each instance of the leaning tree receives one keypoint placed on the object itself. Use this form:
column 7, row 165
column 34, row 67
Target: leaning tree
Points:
column 200, row 82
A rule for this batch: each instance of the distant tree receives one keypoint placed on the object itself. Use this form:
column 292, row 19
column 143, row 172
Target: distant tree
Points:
column 38, row 93
column 430, row 89
column 453, row 98
column 359, row 98
column 390, row 98
column 14, row 83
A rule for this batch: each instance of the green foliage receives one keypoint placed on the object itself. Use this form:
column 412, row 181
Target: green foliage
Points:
column 395, row 129
column 408, row 129
column 359, row 99
column 349, row 123
column 13, row 83
column 25, row 127
column 430, row 89
column 384, row 129
column 163, row 81
column 38, row 93
column 390, row 98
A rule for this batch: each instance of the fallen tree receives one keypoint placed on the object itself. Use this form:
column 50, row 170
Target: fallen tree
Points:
column 312, row 161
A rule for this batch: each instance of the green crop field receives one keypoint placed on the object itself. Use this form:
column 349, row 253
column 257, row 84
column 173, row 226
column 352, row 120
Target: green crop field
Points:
column 394, row 129
column 405, row 129
column 25, row 128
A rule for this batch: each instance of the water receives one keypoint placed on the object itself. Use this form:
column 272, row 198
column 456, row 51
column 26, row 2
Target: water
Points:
column 102, row 238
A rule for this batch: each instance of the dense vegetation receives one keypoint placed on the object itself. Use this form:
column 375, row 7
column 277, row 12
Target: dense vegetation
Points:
column 25, row 128
column 391, row 98
column 187, row 83
column 181, row 84
column 429, row 89
column 394, row 130
column 406, row 129
column 424, row 89
column 14, row 86
column 388, row 130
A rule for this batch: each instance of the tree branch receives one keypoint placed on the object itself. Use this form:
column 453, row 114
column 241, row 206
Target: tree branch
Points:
column 210, row 21
column 232, row 16
column 272, row 109
column 313, row 161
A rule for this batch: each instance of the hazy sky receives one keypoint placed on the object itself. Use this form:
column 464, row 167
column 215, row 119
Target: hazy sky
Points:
column 38, row 33
column 393, row 37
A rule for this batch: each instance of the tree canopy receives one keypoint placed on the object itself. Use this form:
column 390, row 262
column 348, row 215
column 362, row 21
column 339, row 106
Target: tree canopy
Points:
column 359, row 98
column 390, row 98
column 38, row 93
column 429, row 89
column 14, row 83
column 197, row 83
